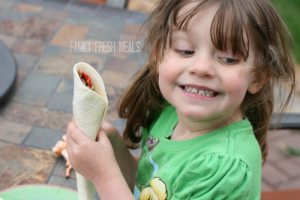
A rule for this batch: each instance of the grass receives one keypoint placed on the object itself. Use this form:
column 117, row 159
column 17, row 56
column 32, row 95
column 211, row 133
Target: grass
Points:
column 290, row 13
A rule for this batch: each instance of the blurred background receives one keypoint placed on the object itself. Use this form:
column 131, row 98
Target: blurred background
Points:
column 36, row 82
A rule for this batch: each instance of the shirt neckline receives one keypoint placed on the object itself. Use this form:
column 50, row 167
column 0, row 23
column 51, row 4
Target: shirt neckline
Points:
column 172, row 145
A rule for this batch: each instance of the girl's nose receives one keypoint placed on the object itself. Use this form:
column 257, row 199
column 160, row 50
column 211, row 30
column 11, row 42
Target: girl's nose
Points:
column 202, row 66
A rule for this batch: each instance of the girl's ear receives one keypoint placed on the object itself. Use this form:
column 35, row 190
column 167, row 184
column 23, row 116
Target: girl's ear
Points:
column 256, row 85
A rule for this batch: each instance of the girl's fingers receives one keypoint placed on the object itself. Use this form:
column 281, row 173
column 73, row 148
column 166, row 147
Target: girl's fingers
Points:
column 69, row 149
column 70, row 142
column 74, row 133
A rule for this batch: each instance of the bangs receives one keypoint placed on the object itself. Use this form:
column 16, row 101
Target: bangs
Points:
column 228, row 29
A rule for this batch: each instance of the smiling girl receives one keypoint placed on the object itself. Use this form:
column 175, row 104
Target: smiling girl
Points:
column 204, row 102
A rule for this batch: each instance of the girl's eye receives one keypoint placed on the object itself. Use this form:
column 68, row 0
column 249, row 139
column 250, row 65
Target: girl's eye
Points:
column 229, row 60
column 184, row 52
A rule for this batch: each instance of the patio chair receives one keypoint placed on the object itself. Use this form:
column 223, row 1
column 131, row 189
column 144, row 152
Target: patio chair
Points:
column 8, row 73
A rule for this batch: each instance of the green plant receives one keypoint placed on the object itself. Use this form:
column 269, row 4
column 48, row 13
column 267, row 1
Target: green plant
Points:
column 290, row 12
column 288, row 150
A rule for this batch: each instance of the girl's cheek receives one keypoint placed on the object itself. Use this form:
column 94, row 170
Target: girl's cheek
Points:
column 162, row 86
column 168, row 71
column 164, row 81
column 235, row 88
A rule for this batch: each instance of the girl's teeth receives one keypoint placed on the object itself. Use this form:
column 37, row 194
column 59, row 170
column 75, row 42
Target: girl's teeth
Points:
column 194, row 91
column 200, row 92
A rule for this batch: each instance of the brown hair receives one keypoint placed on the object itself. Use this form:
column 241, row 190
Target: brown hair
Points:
column 246, row 22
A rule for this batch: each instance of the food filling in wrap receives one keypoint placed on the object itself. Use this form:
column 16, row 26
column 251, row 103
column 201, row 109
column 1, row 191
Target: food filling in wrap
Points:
column 85, row 79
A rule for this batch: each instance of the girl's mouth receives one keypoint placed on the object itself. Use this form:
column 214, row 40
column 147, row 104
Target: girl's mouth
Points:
column 204, row 93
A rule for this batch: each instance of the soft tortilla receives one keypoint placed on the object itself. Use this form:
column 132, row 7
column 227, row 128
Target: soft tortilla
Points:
column 89, row 109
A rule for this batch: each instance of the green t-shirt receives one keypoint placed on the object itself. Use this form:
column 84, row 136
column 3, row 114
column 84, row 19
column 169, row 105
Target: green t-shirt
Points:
column 223, row 164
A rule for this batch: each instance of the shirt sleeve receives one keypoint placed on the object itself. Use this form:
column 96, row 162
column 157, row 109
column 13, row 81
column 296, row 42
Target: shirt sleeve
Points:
column 214, row 176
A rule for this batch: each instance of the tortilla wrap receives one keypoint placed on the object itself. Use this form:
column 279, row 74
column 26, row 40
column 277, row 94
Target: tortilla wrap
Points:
column 89, row 109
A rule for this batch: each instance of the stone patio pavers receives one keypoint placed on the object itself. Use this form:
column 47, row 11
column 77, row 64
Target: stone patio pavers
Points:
column 21, row 74
column 24, row 8
column 116, row 79
column 43, row 138
column 281, row 171
column 37, row 116
column 66, row 86
column 24, row 165
column 61, row 102
column 61, row 64
column 6, row 5
column 68, row 33
column 54, row 14
column 33, row 28
column 37, row 88
column 95, row 22
column 13, row 132
column 60, row 169
column 34, row 47
column 102, row 35
column 25, row 61
column 122, row 65
column 8, row 40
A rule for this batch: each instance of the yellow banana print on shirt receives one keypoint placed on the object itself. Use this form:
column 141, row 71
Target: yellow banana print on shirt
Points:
column 156, row 191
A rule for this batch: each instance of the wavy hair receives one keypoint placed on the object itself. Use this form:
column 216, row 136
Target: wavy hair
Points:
column 235, row 26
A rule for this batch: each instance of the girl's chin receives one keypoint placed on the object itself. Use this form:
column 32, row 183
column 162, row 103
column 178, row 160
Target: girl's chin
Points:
column 198, row 114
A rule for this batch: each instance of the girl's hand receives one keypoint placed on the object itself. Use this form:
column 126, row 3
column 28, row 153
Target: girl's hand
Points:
column 93, row 160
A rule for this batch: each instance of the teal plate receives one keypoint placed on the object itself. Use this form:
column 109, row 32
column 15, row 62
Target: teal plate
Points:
column 38, row 192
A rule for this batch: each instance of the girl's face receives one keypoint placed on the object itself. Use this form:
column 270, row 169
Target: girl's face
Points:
column 193, row 61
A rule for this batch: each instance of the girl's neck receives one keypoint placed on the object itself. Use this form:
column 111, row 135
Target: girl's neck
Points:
column 188, row 129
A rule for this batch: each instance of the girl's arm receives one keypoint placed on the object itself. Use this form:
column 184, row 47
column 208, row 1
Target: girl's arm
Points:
column 127, row 162
column 114, row 186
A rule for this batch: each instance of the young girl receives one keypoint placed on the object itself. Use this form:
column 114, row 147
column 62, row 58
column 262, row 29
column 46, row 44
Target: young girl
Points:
column 204, row 103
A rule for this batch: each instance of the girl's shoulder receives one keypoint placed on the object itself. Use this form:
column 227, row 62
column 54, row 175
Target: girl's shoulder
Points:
column 218, row 176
